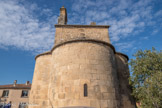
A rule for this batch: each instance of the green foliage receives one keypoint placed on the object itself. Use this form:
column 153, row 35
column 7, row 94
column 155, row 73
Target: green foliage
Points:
column 147, row 78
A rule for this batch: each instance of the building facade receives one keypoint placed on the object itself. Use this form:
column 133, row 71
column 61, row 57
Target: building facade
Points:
column 82, row 69
column 17, row 94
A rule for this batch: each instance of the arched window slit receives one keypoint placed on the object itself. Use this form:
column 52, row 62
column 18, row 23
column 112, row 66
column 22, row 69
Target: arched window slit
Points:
column 85, row 90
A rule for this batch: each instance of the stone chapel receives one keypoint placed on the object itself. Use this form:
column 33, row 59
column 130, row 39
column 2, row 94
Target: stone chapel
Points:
column 82, row 70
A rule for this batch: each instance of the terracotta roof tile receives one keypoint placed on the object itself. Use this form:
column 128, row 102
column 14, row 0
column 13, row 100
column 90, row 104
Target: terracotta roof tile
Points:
column 17, row 86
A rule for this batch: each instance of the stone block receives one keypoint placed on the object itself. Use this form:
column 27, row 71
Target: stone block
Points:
column 103, row 76
column 110, row 103
column 87, row 71
column 70, row 95
column 93, row 61
column 93, row 103
column 94, row 82
column 109, row 95
column 104, row 104
column 95, row 76
column 94, row 71
column 67, row 89
column 76, row 95
column 97, row 88
column 98, row 95
column 103, row 89
column 61, row 95
column 111, row 90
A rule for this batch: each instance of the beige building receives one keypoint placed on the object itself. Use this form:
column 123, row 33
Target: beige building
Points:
column 82, row 69
column 17, row 94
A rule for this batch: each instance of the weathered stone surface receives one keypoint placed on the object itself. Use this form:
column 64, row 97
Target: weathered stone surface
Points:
column 82, row 55
column 39, row 91
column 61, row 95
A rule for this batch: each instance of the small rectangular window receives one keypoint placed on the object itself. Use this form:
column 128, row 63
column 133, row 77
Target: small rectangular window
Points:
column 24, row 93
column 5, row 93
column 23, row 105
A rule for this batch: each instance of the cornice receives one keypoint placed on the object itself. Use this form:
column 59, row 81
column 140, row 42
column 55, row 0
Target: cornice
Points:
column 83, row 26
column 82, row 40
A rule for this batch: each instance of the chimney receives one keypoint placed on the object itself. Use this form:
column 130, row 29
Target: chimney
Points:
column 62, row 20
column 93, row 23
column 27, row 82
column 15, row 82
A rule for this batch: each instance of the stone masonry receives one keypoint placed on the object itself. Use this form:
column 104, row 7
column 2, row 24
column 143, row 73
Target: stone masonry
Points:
column 81, row 70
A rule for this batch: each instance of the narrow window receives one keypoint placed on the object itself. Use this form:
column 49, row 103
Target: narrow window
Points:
column 24, row 93
column 5, row 93
column 85, row 90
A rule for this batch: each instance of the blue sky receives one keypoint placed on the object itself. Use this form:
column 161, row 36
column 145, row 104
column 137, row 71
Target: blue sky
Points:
column 27, row 28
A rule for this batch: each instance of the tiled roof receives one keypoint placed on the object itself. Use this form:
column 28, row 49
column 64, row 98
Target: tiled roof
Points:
column 17, row 86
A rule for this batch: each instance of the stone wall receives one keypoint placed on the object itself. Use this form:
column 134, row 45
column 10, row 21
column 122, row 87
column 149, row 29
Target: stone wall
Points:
column 82, row 54
column 40, row 83
column 66, row 33
column 76, row 64
column 127, row 100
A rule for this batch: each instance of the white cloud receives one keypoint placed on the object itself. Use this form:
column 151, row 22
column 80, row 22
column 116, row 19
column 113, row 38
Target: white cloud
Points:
column 124, row 46
column 159, row 13
column 126, row 17
column 155, row 31
column 20, row 28
column 144, row 38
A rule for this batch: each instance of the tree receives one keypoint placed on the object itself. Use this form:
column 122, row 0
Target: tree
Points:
column 146, row 78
